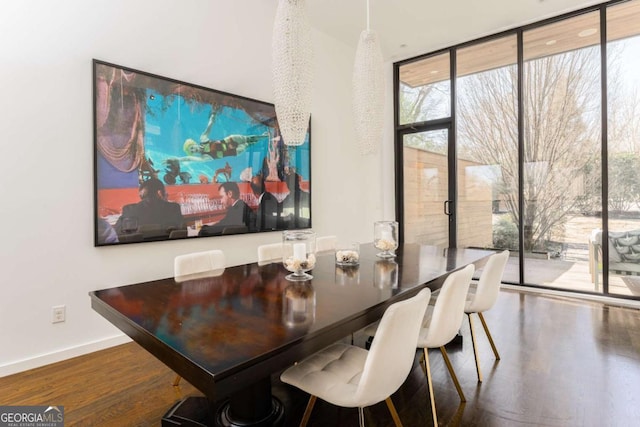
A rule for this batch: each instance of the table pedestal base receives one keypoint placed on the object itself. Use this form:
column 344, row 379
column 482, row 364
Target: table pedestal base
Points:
column 197, row 412
column 189, row 412
column 275, row 417
column 253, row 406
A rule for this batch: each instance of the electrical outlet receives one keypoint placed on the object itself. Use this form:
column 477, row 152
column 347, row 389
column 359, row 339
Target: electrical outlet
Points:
column 58, row 314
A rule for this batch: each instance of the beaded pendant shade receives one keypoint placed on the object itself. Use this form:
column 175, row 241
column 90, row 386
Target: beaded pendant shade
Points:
column 292, row 70
column 368, row 91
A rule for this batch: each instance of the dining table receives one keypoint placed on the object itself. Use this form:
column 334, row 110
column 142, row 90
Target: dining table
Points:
column 228, row 334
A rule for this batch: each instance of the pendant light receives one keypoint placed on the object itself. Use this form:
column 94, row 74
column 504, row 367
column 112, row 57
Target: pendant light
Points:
column 368, row 91
column 292, row 70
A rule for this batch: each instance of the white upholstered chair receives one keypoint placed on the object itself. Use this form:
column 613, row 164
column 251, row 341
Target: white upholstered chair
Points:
column 269, row 253
column 326, row 243
column 197, row 265
column 483, row 297
column 353, row 377
column 440, row 325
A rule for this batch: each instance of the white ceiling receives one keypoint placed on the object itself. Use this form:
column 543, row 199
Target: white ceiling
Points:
column 423, row 26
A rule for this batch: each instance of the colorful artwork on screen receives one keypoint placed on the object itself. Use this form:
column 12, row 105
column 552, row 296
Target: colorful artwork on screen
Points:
column 175, row 160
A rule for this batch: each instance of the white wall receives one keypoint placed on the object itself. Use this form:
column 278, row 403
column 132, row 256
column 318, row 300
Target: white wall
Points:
column 46, row 146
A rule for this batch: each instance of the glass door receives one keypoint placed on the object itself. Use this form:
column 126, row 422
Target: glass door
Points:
column 427, row 203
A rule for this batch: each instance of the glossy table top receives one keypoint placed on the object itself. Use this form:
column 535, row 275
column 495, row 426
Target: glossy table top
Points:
column 220, row 333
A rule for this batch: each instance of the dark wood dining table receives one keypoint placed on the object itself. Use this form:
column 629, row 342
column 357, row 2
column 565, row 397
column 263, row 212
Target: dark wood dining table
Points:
column 228, row 334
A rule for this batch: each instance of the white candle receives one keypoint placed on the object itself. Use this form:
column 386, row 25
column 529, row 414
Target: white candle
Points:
column 385, row 234
column 299, row 252
column 298, row 305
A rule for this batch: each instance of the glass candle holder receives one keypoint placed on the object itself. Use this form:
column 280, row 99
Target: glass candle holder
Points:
column 385, row 238
column 299, row 304
column 348, row 255
column 299, row 253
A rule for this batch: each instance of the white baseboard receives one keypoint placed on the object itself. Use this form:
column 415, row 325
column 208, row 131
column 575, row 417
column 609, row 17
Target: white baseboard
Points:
column 58, row 356
column 620, row 302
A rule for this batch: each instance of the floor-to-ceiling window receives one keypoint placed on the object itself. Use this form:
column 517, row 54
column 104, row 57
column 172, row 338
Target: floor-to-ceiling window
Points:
column 487, row 141
column 561, row 135
column 623, row 148
column 520, row 129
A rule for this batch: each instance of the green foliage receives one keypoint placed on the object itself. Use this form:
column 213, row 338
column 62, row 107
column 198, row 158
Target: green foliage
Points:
column 505, row 233
column 624, row 183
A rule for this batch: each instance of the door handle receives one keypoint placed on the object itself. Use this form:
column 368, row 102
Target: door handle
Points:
column 447, row 207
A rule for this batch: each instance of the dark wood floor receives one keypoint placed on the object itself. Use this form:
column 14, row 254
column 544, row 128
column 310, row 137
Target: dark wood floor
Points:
column 564, row 363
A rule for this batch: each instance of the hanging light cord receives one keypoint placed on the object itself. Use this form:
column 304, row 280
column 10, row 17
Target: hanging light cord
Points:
column 367, row 15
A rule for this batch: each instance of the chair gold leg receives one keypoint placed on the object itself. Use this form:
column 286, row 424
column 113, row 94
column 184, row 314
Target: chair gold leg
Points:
column 427, row 369
column 452, row 373
column 486, row 329
column 177, row 391
column 394, row 413
column 307, row 412
column 176, row 382
column 475, row 348
column 422, row 365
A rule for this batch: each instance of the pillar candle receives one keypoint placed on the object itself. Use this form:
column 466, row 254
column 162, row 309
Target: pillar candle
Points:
column 385, row 234
column 299, row 252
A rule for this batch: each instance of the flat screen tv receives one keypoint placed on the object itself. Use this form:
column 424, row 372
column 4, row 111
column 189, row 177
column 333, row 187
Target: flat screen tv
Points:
column 175, row 160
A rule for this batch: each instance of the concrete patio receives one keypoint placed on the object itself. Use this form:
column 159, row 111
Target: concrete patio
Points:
column 570, row 270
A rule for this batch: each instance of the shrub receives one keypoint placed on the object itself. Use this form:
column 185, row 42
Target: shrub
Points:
column 505, row 234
